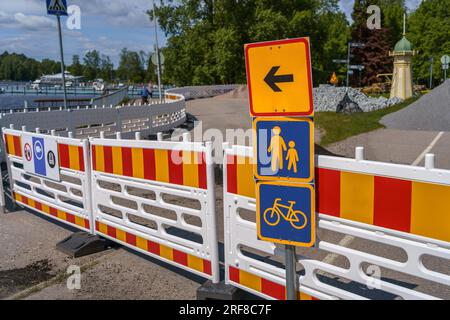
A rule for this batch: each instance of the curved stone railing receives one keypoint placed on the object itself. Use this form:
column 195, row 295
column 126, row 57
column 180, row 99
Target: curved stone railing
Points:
column 89, row 121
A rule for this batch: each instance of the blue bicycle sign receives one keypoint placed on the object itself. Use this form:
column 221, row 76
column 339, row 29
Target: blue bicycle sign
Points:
column 285, row 213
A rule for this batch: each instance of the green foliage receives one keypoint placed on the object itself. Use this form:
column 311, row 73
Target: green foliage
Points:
column 206, row 38
column 18, row 67
column 339, row 126
column 429, row 32
column 131, row 66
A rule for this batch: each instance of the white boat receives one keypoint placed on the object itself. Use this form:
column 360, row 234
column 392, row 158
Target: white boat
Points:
column 55, row 80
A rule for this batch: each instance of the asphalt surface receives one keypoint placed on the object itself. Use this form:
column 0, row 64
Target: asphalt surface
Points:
column 431, row 112
column 31, row 268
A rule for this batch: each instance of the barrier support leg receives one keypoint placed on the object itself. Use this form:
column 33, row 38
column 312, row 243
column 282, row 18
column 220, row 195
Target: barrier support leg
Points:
column 219, row 291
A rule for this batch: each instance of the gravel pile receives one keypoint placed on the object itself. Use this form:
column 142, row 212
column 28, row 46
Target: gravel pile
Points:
column 327, row 98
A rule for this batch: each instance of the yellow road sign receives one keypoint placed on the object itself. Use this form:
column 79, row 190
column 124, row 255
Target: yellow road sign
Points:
column 279, row 78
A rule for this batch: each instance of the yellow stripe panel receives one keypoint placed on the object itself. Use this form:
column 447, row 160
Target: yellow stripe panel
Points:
column 303, row 296
column 141, row 243
column 121, row 235
column 250, row 280
column 430, row 210
column 103, row 228
column 138, row 162
column 61, row 215
column 46, row 208
column 31, row 202
column 190, row 169
column 18, row 197
column 10, row 141
column 74, row 158
column 245, row 181
column 99, row 158
column 195, row 263
column 357, row 194
column 79, row 221
column 166, row 252
column 162, row 165
column 117, row 160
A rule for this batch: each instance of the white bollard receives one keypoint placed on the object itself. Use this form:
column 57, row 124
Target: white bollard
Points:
column 186, row 137
column 429, row 161
column 53, row 132
column 159, row 136
column 359, row 153
column 24, row 128
column 11, row 126
column 70, row 134
column 102, row 134
column 38, row 130
column 137, row 135
column 118, row 135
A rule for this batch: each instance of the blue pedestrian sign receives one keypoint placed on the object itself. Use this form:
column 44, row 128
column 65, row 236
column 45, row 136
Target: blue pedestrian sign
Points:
column 57, row 7
column 284, row 149
column 39, row 156
column 285, row 213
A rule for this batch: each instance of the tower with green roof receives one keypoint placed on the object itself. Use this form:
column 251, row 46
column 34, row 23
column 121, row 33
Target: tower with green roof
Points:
column 402, row 86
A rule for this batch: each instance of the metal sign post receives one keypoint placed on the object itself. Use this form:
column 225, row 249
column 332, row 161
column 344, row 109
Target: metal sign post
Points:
column 445, row 61
column 58, row 8
column 62, row 61
column 280, row 93
column 158, row 58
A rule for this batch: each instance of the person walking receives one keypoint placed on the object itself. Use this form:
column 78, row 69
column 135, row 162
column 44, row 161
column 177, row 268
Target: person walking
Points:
column 150, row 89
column 144, row 95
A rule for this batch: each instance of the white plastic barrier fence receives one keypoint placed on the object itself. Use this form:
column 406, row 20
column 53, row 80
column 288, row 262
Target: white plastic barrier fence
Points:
column 158, row 198
column 395, row 218
column 66, row 199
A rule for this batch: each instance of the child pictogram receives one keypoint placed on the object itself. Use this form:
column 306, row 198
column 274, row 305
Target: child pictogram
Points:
column 292, row 157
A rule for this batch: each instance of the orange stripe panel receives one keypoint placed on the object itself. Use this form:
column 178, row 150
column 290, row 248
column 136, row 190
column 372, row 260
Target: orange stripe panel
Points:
column 245, row 180
column 162, row 165
column 357, row 197
column 430, row 210
column 74, row 158
column 179, row 257
column 264, row 286
column 50, row 211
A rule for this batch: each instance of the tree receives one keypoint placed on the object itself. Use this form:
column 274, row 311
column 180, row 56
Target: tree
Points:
column 106, row 68
column 91, row 65
column 378, row 42
column 429, row 32
column 76, row 68
column 206, row 37
column 131, row 66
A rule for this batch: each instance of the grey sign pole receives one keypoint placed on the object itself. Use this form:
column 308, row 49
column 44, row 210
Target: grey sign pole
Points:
column 431, row 72
column 158, row 67
column 291, row 274
column 62, row 61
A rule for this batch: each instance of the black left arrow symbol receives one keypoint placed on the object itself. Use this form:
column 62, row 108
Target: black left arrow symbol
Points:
column 271, row 79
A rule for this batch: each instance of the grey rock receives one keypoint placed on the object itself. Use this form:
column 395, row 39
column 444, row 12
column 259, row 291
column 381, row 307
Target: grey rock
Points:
column 327, row 98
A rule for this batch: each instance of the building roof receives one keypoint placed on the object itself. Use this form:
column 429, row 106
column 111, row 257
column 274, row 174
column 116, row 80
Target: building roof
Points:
column 403, row 45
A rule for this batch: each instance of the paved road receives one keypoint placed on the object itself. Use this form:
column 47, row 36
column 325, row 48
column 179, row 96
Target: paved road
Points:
column 431, row 112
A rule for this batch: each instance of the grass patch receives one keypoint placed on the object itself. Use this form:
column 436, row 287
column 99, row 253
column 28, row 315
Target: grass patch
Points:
column 339, row 126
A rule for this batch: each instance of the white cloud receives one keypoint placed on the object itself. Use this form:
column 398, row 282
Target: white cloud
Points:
column 34, row 22
column 20, row 20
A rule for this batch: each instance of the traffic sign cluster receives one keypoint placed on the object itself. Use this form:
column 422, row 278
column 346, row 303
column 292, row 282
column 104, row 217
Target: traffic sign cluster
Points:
column 280, row 96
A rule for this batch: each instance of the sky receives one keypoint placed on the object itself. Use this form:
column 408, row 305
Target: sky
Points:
column 106, row 25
